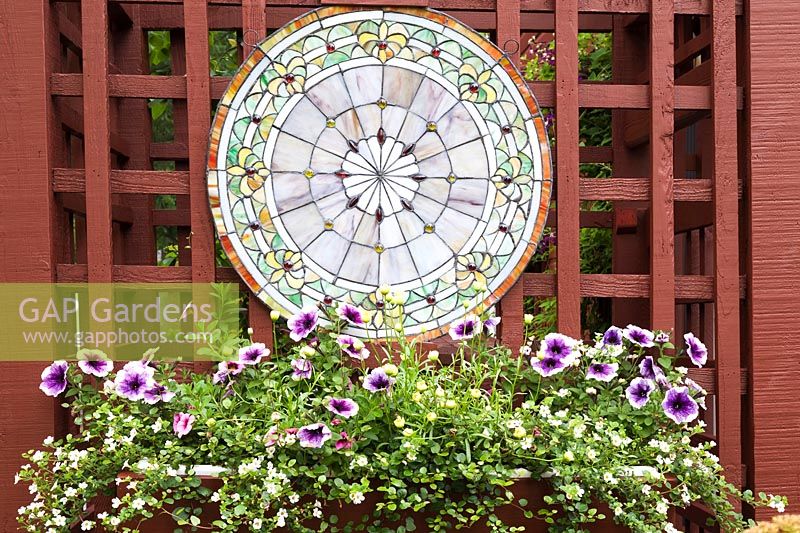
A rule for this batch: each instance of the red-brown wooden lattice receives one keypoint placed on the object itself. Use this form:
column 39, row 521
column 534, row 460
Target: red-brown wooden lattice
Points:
column 78, row 204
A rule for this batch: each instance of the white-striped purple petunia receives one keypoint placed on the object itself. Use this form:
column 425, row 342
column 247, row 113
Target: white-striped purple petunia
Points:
column 157, row 393
column 94, row 362
column 54, row 378
column 612, row 336
column 465, row 328
column 602, row 371
column 303, row 323
column 182, row 423
column 490, row 325
column 226, row 369
column 549, row 365
column 301, row 369
column 313, row 435
column 350, row 313
column 253, row 354
column 649, row 369
column 642, row 337
column 344, row 407
column 697, row 351
column 133, row 380
column 679, row 405
column 638, row 393
column 377, row 381
column 352, row 347
column 558, row 346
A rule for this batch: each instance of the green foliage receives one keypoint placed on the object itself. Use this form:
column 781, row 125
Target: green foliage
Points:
column 441, row 447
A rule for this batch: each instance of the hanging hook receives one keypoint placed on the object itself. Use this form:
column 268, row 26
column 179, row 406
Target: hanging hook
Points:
column 509, row 52
column 245, row 41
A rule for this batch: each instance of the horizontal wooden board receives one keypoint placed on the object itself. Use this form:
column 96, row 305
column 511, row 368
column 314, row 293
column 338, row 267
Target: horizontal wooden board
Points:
column 125, row 181
column 590, row 94
column 682, row 7
column 689, row 288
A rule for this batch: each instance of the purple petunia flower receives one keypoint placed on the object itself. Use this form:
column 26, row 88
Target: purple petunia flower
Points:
column 638, row 393
column 602, row 371
column 345, row 442
column 182, row 423
column 640, row 336
column 377, row 381
column 313, row 435
column 557, row 346
column 226, row 369
column 94, row 362
column 662, row 337
column 465, row 328
column 343, row 407
column 351, row 314
column 133, row 380
column 679, row 405
column 253, row 354
column 352, row 347
column 648, row 369
column 612, row 336
column 54, row 378
column 548, row 366
column 158, row 393
column 490, row 325
column 697, row 351
column 301, row 369
column 303, row 323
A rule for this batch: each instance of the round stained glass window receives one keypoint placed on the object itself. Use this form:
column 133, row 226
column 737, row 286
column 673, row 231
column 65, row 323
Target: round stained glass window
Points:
column 360, row 148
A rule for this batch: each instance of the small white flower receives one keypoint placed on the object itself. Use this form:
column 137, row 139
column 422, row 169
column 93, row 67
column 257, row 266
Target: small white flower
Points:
column 115, row 503
column 662, row 507
column 646, row 489
column 138, row 504
column 33, row 489
column 258, row 523
column 591, row 391
column 87, row 525
column 215, row 497
column 60, row 520
column 114, row 521
column 48, row 440
column 357, row 497
column 102, row 516
column 294, row 498
column 71, row 492
column 525, row 350
column 562, row 393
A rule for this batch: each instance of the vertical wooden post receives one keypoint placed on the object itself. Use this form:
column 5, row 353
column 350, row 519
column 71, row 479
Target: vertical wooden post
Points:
column 254, row 29
column 512, row 306
column 726, row 238
column 662, row 102
column 567, row 193
column 96, row 140
column 774, row 209
column 27, row 148
column 198, row 96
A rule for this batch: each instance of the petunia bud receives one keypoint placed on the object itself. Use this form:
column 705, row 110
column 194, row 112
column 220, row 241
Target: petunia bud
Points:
column 274, row 315
column 417, row 397
column 439, row 393
column 390, row 369
column 399, row 422
column 475, row 393
column 450, row 404
column 250, row 331
column 421, row 386
column 519, row 432
column 431, row 416
column 528, row 318
column 569, row 456
column 307, row 351
column 407, row 432
column 433, row 355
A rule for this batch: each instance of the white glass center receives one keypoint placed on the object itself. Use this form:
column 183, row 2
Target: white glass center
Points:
column 382, row 176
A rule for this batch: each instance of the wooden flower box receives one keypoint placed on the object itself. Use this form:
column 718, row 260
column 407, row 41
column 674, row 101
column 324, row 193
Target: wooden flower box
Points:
column 530, row 489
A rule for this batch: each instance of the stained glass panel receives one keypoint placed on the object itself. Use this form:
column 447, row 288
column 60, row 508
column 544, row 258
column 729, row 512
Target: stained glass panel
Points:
column 358, row 148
